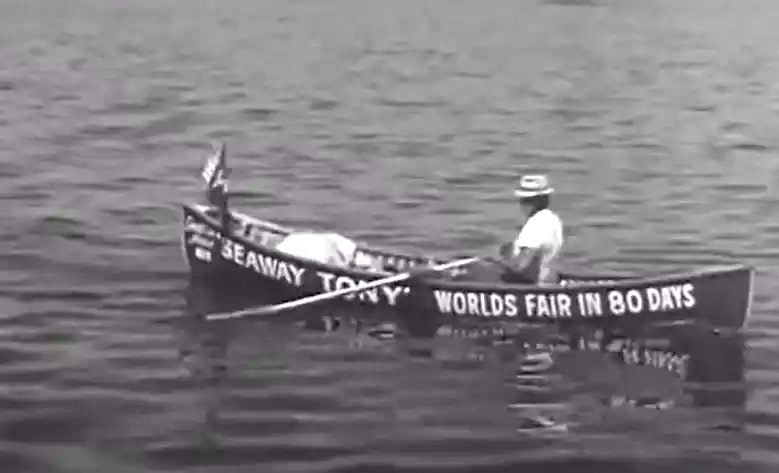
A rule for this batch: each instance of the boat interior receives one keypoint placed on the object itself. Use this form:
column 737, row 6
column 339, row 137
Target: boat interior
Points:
column 269, row 234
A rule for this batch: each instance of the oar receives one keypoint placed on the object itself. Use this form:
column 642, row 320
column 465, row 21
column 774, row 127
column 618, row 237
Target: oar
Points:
column 275, row 309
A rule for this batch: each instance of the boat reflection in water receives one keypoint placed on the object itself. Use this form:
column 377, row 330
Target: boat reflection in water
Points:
column 682, row 377
column 665, row 381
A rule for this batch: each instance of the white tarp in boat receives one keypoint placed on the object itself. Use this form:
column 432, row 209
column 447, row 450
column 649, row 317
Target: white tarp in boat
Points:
column 326, row 248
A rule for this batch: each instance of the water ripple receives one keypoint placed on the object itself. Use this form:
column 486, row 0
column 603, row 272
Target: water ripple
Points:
column 407, row 126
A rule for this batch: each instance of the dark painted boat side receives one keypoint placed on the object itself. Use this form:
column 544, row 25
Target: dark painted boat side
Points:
column 720, row 296
column 236, row 257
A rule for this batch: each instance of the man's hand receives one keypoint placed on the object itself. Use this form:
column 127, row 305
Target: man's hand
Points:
column 500, row 261
column 505, row 250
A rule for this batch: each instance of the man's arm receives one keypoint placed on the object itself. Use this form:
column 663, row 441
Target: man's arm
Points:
column 524, row 260
column 523, row 255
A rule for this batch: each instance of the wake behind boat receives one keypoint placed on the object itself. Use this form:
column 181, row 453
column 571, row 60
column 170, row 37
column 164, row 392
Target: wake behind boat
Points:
column 231, row 245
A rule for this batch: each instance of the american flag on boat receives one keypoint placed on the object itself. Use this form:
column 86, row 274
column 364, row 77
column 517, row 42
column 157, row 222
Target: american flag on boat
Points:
column 215, row 174
column 215, row 171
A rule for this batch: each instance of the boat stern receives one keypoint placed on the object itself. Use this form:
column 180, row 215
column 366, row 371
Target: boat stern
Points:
column 725, row 296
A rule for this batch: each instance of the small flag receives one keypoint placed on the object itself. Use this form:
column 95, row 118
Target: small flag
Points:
column 215, row 174
column 215, row 171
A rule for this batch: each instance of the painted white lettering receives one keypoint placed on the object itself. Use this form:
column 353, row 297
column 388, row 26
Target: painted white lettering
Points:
column 251, row 262
column 190, row 225
column 688, row 296
column 548, row 306
column 564, row 305
column 444, row 301
column 375, row 295
column 589, row 304
column 342, row 283
column 666, row 295
column 393, row 292
column 227, row 249
column 511, row 306
column 262, row 264
column 530, row 303
column 652, row 299
column 496, row 305
column 238, row 254
column 202, row 254
column 283, row 272
column 369, row 295
column 200, row 240
column 268, row 265
column 476, row 304
column 616, row 303
column 459, row 301
column 297, row 274
column 634, row 302
column 327, row 280
column 674, row 297
column 473, row 304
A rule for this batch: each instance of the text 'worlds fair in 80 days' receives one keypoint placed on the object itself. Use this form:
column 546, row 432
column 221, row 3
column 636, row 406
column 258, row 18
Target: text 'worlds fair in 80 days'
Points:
column 562, row 305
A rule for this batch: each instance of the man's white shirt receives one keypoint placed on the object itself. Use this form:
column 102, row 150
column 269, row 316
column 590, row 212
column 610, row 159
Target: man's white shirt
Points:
column 544, row 230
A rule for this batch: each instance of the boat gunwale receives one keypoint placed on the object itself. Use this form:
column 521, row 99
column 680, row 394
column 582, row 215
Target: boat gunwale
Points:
column 466, row 285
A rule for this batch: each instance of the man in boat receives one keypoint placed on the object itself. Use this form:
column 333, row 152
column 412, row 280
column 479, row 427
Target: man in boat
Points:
column 532, row 256
column 327, row 248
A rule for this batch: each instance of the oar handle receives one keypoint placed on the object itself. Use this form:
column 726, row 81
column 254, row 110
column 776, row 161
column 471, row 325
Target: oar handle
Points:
column 273, row 309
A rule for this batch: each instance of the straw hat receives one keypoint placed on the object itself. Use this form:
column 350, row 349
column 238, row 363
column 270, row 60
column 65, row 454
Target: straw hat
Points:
column 533, row 186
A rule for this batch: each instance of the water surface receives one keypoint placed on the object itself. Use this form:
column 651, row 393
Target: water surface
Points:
column 403, row 123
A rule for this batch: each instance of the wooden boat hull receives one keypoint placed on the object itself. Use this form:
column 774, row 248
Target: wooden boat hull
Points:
column 720, row 297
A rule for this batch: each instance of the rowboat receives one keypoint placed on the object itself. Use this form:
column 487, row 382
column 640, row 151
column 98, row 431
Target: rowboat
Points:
column 222, row 243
